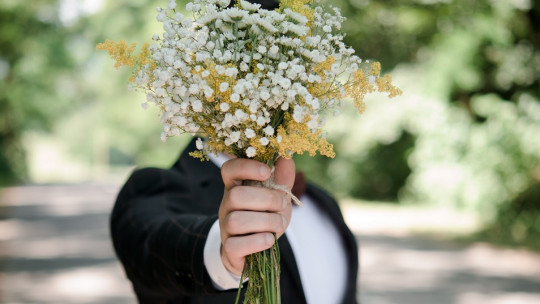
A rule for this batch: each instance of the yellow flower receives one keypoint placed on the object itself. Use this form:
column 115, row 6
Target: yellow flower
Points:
column 297, row 139
column 119, row 51
column 124, row 55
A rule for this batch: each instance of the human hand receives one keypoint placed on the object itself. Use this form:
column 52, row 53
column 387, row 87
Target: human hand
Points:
column 249, row 215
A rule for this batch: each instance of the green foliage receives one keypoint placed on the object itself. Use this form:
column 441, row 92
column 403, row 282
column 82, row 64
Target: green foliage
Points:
column 470, row 71
column 55, row 84
column 30, row 53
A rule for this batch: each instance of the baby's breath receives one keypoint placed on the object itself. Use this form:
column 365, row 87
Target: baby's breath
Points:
column 252, row 82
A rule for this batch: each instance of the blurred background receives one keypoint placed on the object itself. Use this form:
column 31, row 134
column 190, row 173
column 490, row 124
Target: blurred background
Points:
column 441, row 185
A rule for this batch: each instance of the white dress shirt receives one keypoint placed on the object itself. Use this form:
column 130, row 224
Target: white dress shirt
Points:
column 316, row 244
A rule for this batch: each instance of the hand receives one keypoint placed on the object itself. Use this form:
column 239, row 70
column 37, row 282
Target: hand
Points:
column 249, row 215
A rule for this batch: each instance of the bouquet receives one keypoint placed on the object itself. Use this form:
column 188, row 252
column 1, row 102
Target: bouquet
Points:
column 254, row 83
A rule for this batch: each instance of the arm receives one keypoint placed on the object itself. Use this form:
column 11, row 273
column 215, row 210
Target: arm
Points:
column 159, row 244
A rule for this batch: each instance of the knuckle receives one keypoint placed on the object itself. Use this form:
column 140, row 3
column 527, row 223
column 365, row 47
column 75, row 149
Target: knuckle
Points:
column 279, row 199
column 232, row 222
column 274, row 223
column 225, row 169
column 228, row 247
column 280, row 224
column 235, row 196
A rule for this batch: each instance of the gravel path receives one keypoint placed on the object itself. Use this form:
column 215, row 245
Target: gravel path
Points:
column 55, row 248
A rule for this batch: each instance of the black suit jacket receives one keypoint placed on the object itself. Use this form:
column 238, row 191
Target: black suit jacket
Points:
column 159, row 226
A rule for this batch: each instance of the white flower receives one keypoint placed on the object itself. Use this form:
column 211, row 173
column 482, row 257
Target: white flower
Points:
column 234, row 13
column 282, row 65
column 224, row 86
column 298, row 30
column 264, row 24
column 262, row 49
column 269, row 130
column 249, row 133
column 235, row 97
column 254, row 106
column 264, row 95
column 219, row 68
column 224, row 107
column 327, row 28
column 234, row 136
column 193, row 89
column 312, row 124
column 299, row 113
column 208, row 92
column 199, row 144
column 291, row 93
column 274, row 50
column 250, row 152
column 196, row 105
column 231, row 72
column 249, row 6
column 180, row 121
column 241, row 115
column 264, row 141
column 279, row 139
column 223, row 3
column 205, row 73
column 296, row 16
column 244, row 67
column 161, row 16
column 207, row 18
column 261, row 121
column 285, row 83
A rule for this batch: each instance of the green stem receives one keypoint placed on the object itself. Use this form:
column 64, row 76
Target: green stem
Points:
column 262, row 269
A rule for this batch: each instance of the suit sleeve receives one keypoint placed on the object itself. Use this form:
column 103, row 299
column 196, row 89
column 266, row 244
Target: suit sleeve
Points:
column 159, row 236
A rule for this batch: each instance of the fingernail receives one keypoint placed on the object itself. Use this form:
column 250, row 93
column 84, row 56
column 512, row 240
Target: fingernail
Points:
column 285, row 201
column 269, row 239
column 284, row 222
column 264, row 171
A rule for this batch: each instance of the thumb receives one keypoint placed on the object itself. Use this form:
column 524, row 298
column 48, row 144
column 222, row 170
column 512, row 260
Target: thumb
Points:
column 284, row 173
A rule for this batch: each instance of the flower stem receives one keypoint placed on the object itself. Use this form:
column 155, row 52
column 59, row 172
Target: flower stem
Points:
column 262, row 269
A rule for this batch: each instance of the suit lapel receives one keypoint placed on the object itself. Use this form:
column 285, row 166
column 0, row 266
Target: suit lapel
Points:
column 289, row 266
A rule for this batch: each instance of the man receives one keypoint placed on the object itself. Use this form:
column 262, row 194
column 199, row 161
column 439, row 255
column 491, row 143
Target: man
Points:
column 182, row 233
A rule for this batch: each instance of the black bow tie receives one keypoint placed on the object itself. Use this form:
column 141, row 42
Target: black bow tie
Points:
column 299, row 187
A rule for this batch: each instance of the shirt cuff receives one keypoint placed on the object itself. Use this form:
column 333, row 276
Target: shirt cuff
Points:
column 221, row 277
